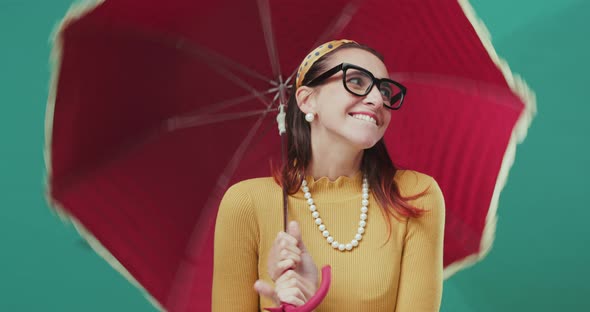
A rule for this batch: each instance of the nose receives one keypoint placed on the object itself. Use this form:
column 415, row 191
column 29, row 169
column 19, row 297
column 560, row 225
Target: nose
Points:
column 374, row 97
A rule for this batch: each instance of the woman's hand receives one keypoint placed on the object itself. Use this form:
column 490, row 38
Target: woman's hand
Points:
column 284, row 255
column 291, row 267
column 289, row 288
column 289, row 252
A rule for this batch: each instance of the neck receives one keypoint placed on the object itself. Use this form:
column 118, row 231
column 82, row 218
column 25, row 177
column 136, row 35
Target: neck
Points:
column 332, row 160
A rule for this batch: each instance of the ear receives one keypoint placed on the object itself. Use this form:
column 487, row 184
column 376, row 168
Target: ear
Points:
column 305, row 99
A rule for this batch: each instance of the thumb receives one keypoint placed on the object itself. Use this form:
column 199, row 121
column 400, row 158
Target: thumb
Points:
column 294, row 230
column 265, row 289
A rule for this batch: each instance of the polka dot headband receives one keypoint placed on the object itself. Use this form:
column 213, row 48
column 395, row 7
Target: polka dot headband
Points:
column 315, row 55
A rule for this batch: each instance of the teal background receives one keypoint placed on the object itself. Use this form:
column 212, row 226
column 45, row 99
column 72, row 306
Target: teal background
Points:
column 540, row 257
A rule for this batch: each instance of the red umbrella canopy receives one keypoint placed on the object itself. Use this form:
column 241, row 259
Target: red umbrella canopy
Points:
column 156, row 107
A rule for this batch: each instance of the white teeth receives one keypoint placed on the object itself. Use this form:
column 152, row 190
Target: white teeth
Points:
column 365, row 118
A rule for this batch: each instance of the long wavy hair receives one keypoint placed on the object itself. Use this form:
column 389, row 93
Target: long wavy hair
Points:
column 376, row 163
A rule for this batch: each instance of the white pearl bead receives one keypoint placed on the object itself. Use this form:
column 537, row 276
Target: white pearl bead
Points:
column 362, row 223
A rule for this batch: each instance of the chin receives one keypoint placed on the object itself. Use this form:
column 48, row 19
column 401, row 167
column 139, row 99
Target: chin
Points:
column 365, row 142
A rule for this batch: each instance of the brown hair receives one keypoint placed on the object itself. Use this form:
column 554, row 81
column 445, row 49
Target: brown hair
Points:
column 376, row 163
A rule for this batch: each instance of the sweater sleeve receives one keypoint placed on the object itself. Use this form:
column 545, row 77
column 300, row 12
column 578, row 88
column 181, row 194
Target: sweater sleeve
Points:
column 421, row 276
column 235, row 263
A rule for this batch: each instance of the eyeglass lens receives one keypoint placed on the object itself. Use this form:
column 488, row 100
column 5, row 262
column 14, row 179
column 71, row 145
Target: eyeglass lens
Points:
column 360, row 83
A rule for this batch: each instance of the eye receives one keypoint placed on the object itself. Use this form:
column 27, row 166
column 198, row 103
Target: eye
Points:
column 386, row 92
column 355, row 80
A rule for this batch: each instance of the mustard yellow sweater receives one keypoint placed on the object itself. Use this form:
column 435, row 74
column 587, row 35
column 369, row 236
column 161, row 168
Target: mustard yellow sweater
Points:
column 404, row 275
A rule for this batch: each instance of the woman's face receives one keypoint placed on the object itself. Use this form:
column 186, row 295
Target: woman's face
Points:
column 337, row 110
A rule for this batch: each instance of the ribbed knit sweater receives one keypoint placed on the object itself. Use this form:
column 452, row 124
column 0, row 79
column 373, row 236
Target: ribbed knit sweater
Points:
column 402, row 275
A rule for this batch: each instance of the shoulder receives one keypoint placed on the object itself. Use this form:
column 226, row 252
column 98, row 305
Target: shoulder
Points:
column 240, row 199
column 411, row 182
column 252, row 186
column 245, row 191
column 424, row 189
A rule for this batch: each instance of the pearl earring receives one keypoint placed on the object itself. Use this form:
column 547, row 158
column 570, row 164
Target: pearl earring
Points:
column 309, row 117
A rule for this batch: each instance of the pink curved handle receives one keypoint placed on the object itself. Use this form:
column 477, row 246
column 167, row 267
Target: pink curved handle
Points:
column 314, row 301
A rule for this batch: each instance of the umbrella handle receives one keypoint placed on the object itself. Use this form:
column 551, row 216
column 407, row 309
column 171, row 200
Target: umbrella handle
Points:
column 315, row 300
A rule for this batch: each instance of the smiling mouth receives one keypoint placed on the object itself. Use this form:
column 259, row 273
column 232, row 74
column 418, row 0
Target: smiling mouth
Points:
column 364, row 118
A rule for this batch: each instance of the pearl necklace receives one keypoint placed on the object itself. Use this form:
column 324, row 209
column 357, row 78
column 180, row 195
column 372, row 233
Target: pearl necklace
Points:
column 318, row 221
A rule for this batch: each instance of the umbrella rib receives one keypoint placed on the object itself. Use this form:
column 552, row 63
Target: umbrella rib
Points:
column 182, row 122
column 217, row 62
column 186, row 270
column 208, row 55
column 265, row 20
column 231, row 102
column 238, row 81
column 336, row 26
column 229, row 170
column 183, row 44
column 340, row 22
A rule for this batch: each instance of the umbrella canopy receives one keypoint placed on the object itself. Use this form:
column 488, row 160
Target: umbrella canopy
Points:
column 156, row 107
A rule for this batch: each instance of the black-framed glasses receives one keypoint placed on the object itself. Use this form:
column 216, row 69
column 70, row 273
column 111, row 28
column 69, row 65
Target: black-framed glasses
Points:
column 360, row 82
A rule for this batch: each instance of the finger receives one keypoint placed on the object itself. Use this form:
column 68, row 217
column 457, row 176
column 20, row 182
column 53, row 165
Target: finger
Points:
column 286, row 264
column 294, row 284
column 292, row 248
column 287, row 275
column 292, row 296
column 287, row 238
column 287, row 254
column 291, row 279
column 286, row 280
column 283, row 266
column 294, row 230
column 279, row 237
column 265, row 289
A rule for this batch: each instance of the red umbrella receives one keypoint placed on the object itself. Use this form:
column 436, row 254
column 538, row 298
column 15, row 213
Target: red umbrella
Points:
column 156, row 107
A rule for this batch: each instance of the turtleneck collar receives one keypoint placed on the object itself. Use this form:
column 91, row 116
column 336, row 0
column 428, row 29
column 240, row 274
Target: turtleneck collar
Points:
column 343, row 187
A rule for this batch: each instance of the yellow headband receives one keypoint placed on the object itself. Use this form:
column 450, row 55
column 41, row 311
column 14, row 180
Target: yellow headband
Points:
column 314, row 56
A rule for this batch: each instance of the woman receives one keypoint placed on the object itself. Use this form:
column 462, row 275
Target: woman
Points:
column 381, row 229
